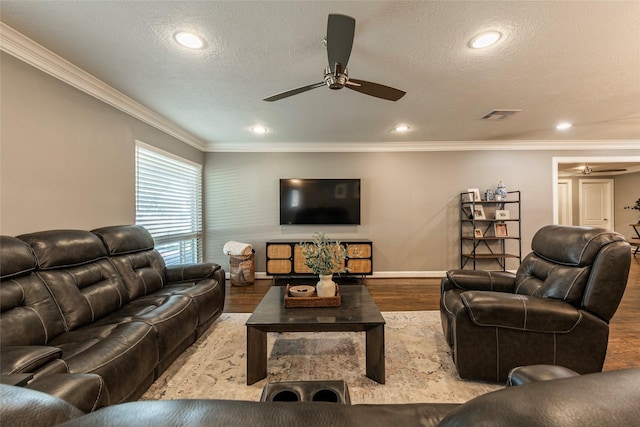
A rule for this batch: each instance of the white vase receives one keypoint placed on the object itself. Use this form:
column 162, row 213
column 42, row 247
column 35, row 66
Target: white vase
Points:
column 326, row 287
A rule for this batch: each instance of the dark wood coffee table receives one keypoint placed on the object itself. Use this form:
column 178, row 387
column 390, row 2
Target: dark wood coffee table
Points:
column 358, row 313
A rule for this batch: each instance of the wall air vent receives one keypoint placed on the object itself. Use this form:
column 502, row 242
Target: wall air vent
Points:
column 495, row 115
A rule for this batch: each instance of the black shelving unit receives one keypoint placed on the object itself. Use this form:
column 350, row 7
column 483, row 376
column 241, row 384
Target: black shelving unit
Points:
column 488, row 243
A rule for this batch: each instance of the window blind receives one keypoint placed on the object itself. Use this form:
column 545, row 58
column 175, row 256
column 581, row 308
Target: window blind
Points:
column 169, row 203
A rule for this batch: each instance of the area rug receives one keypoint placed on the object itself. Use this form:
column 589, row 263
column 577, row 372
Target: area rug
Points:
column 418, row 363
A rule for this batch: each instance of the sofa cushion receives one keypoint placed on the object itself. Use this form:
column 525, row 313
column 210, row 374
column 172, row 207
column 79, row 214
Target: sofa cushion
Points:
column 16, row 258
column 87, row 292
column 125, row 239
column 540, row 277
column 125, row 355
column 64, row 248
column 29, row 315
column 573, row 246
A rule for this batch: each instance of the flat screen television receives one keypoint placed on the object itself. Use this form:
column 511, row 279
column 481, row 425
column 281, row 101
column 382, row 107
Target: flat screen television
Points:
column 320, row 201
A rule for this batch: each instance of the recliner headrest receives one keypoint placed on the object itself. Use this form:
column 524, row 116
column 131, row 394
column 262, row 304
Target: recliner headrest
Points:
column 125, row 239
column 575, row 246
column 16, row 258
column 64, row 248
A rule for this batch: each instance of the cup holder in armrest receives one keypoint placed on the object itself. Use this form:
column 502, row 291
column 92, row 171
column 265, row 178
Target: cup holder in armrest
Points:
column 325, row 396
column 306, row 391
column 285, row 396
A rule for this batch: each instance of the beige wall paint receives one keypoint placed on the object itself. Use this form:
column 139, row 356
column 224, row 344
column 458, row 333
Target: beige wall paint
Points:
column 409, row 200
column 66, row 161
column 66, row 158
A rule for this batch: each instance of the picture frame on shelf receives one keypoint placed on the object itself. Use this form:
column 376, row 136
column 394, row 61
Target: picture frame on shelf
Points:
column 474, row 194
column 501, row 230
column 502, row 214
column 477, row 233
column 478, row 212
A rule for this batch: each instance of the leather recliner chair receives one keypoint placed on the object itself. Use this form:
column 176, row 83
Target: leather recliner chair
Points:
column 554, row 310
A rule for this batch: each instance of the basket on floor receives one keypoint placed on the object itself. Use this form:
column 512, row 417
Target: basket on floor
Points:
column 242, row 269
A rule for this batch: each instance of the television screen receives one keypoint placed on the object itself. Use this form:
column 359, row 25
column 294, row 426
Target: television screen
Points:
column 320, row 201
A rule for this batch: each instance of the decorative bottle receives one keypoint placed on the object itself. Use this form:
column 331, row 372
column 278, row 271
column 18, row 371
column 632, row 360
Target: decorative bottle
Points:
column 501, row 192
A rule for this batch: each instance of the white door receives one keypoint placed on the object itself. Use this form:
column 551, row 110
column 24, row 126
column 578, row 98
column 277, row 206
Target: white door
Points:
column 596, row 203
column 565, row 202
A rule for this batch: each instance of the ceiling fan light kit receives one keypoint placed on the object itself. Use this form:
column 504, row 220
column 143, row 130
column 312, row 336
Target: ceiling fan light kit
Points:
column 339, row 41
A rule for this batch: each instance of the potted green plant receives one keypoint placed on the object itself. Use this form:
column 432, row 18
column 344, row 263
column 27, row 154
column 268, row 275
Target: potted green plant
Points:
column 324, row 257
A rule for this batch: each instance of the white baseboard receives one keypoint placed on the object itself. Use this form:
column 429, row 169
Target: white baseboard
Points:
column 379, row 274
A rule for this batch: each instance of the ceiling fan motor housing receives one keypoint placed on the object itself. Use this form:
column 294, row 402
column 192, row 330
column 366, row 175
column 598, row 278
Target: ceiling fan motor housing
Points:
column 337, row 80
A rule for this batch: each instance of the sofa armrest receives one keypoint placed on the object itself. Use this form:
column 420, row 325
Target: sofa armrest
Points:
column 86, row 392
column 535, row 373
column 24, row 407
column 600, row 399
column 27, row 358
column 523, row 312
column 191, row 272
column 497, row 281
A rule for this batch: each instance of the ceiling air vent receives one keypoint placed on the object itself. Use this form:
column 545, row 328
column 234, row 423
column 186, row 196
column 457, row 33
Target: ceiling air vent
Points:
column 495, row 115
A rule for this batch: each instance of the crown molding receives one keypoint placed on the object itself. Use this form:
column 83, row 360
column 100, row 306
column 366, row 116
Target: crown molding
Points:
column 345, row 147
column 30, row 52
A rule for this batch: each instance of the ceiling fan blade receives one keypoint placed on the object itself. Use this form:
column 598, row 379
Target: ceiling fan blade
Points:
column 340, row 31
column 292, row 92
column 609, row 170
column 375, row 89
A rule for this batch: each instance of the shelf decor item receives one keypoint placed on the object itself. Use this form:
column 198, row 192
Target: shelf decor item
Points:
column 502, row 214
column 501, row 192
column 474, row 194
column 478, row 212
column 501, row 230
column 636, row 207
column 324, row 257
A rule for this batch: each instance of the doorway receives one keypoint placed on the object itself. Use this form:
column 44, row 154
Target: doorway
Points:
column 596, row 203
column 560, row 212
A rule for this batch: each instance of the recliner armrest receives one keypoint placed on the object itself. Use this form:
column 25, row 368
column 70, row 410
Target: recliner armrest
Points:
column 535, row 373
column 191, row 272
column 27, row 358
column 523, row 312
column 497, row 281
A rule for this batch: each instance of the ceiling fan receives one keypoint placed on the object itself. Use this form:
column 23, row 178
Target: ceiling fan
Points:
column 587, row 170
column 339, row 40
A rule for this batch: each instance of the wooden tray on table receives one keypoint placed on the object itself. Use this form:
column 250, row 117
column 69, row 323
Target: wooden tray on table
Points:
column 311, row 301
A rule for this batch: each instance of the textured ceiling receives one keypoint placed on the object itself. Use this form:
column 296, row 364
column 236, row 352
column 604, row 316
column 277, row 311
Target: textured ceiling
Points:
column 558, row 60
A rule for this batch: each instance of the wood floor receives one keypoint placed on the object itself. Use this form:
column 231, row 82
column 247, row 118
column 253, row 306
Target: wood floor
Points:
column 424, row 294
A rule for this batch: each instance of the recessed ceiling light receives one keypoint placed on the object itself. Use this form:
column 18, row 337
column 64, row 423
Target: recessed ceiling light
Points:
column 190, row 40
column 563, row 126
column 259, row 129
column 485, row 39
column 401, row 128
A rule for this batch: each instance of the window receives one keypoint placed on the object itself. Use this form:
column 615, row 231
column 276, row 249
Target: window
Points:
column 169, row 203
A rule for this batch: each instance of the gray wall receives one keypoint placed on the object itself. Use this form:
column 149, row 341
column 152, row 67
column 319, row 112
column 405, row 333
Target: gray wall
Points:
column 66, row 159
column 409, row 200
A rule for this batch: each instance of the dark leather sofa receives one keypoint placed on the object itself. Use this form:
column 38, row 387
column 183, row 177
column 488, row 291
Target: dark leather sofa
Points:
column 96, row 316
column 601, row 399
column 554, row 310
